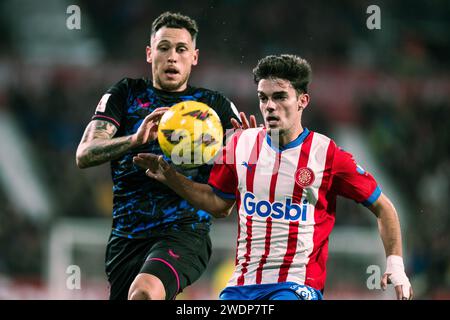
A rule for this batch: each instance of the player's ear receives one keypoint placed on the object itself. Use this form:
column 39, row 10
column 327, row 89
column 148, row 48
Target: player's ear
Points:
column 148, row 52
column 302, row 100
column 195, row 60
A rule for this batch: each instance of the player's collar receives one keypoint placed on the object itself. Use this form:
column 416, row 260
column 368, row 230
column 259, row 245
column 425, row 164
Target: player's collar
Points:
column 294, row 143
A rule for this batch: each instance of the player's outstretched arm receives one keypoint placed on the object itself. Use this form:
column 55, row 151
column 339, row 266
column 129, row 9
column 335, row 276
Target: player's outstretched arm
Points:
column 200, row 195
column 98, row 146
column 390, row 233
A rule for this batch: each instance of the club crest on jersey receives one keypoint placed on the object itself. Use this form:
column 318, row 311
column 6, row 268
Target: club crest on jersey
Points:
column 304, row 177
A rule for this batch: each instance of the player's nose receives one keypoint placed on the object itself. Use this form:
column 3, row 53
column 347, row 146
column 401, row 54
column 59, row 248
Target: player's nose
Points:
column 172, row 57
column 270, row 105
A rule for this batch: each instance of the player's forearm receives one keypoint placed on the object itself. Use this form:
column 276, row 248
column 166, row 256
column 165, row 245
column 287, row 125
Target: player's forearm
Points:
column 389, row 226
column 199, row 195
column 98, row 151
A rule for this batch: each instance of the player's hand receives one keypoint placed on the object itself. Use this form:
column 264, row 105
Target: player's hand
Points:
column 155, row 166
column 245, row 123
column 148, row 130
column 395, row 274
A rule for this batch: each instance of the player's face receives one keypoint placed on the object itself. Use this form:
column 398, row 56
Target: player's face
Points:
column 172, row 54
column 281, row 106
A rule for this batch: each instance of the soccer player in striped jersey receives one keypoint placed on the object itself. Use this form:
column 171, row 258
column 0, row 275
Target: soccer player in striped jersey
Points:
column 285, row 179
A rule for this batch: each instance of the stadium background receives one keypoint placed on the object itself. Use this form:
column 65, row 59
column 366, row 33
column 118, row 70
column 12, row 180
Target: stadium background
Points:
column 382, row 94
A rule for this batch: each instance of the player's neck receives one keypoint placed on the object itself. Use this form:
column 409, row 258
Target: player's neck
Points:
column 280, row 139
column 290, row 136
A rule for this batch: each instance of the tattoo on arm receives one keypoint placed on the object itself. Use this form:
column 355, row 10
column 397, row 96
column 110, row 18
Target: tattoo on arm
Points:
column 98, row 146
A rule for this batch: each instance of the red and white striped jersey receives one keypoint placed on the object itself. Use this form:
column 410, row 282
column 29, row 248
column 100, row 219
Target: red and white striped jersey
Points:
column 286, row 202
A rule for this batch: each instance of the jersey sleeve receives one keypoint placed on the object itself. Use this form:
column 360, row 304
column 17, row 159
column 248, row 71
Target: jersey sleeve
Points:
column 112, row 104
column 351, row 181
column 223, row 178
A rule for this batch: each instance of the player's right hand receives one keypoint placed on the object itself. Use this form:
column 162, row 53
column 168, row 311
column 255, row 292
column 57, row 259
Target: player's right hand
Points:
column 148, row 130
column 155, row 166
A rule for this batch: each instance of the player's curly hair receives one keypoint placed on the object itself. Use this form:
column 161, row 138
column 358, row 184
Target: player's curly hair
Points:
column 285, row 66
column 175, row 20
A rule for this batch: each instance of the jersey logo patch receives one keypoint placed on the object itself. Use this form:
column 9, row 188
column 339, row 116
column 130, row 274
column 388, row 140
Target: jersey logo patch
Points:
column 101, row 107
column 305, row 292
column 247, row 165
column 143, row 104
column 304, row 177
column 173, row 254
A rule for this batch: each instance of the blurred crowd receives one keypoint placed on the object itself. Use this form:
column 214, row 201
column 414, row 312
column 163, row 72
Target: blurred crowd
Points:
column 393, row 84
column 411, row 140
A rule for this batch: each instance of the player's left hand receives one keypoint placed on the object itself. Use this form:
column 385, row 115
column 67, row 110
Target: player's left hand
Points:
column 155, row 165
column 395, row 274
column 245, row 123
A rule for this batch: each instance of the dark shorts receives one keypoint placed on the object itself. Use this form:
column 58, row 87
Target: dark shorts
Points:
column 177, row 258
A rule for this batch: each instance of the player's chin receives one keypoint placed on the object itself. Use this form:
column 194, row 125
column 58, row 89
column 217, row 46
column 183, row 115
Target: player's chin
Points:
column 272, row 127
column 172, row 84
column 275, row 131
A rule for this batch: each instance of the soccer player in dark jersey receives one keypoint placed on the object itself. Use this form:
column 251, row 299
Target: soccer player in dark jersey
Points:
column 159, row 243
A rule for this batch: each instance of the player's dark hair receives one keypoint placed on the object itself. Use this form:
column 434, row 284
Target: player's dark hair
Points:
column 285, row 66
column 177, row 21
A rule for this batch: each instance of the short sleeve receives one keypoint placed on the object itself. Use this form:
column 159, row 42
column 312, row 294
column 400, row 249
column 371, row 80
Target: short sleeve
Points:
column 223, row 178
column 350, row 180
column 112, row 104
